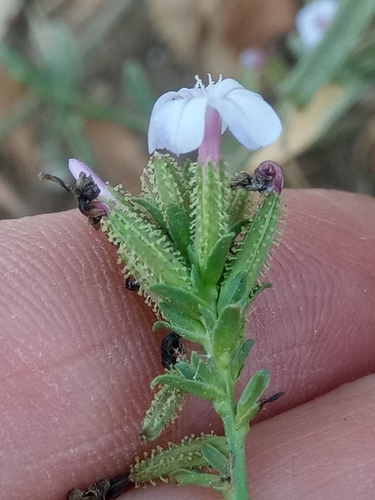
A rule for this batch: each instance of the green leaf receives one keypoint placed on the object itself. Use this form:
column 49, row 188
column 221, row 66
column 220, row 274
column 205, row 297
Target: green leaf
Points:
column 213, row 270
column 217, row 460
column 321, row 65
column 228, row 330
column 186, row 371
column 207, row 316
column 254, row 249
column 178, row 298
column 193, row 258
column 248, row 406
column 239, row 358
column 195, row 277
column 201, row 368
column 194, row 330
column 179, row 228
column 232, row 290
column 153, row 211
column 137, row 85
column 199, row 389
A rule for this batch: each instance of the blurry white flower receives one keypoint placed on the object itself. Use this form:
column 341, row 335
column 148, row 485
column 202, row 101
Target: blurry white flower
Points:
column 314, row 19
column 195, row 118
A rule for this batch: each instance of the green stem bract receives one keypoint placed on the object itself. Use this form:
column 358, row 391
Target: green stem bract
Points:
column 210, row 210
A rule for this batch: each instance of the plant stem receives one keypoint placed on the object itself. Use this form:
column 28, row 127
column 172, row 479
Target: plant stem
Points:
column 236, row 442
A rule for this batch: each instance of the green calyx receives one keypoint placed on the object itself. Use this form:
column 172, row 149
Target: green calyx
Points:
column 191, row 241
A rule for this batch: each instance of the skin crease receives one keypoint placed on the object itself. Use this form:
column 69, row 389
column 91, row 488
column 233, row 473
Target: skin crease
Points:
column 78, row 354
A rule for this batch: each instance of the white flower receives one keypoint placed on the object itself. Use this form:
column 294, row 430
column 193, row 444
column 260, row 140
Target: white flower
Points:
column 314, row 19
column 181, row 120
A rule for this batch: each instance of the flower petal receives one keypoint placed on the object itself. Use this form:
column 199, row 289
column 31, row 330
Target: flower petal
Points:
column 177, row 121
column 77, row 166
column 251, row 120
column 222, row 88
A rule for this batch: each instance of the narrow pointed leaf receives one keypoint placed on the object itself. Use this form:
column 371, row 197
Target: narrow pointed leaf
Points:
column 199, row 389
column 202, row 370
column 250, row 396
column 186, row 370
column 190, row 328
column 208, row 318
column 217, row 460
column 233, row 290
column 178, row 298
column 216, row 260
column 254, row 250
column 228, row 330
column 239, row 358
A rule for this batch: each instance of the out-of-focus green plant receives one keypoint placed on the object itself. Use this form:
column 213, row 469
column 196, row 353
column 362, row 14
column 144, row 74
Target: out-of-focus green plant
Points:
column 54, row 83
column 344, row 58
column 344, row 48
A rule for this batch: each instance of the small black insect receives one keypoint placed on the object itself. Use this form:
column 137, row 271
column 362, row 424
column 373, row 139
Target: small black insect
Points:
column 108, row 489
column 171, row 350
column 271, row 399
column 132, row 284
column 267, row 177
column 86, row 192
column 117, row 486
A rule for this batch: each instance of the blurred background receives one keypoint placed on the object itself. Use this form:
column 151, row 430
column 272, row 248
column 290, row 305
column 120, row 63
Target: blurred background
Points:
column 78, row 78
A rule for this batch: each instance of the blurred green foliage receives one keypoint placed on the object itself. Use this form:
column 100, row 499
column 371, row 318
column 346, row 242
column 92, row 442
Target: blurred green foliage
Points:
column 345, row 56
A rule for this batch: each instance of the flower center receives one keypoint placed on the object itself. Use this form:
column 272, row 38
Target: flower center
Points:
column 205, row 88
